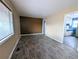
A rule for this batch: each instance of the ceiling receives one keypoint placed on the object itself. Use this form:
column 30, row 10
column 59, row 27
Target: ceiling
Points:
column 42, row 8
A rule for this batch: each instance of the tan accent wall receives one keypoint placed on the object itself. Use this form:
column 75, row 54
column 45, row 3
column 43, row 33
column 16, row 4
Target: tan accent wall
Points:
column 30, row 25
column 7, row 47
column 55, row 24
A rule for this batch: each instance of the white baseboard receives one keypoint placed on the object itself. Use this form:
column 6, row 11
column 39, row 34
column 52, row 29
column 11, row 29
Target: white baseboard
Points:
column 13, row 49
column 54, row 38
column 31, row 34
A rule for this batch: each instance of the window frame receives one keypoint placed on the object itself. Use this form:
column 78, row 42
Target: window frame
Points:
column 10, row 35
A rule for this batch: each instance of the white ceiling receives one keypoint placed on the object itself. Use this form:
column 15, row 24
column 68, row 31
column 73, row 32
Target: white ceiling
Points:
column 41, row 8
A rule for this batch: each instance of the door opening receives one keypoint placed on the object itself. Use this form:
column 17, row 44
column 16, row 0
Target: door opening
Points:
column 71, row 29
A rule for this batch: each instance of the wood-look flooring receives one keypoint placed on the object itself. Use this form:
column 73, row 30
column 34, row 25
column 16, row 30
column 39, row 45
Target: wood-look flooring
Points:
column 42, row 47
column 71, row 41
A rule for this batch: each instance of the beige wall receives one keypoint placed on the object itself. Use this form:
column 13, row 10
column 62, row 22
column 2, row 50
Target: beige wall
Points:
column 55, row 24
column 6, row 48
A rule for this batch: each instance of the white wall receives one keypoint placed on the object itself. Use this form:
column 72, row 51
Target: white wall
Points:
column 7, row 47
column 55, row 24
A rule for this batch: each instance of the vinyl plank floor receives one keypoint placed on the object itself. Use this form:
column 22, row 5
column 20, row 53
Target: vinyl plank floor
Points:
column 71, row 41
column 42, row 47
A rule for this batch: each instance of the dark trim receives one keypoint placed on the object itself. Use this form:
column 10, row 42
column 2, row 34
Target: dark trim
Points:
column 5, row 5
column 75, row 18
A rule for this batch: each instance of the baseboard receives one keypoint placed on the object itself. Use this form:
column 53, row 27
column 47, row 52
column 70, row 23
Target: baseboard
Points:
column 13, row 49
column 54, row 39
column 31, row 34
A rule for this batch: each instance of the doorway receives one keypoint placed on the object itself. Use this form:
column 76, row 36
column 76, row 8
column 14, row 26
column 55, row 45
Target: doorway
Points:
column 71, row 29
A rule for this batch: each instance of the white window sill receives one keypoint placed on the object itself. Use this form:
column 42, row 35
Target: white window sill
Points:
column 6, row 39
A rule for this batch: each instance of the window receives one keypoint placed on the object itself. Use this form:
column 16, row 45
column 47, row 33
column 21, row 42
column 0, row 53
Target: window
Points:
column 6, row 23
